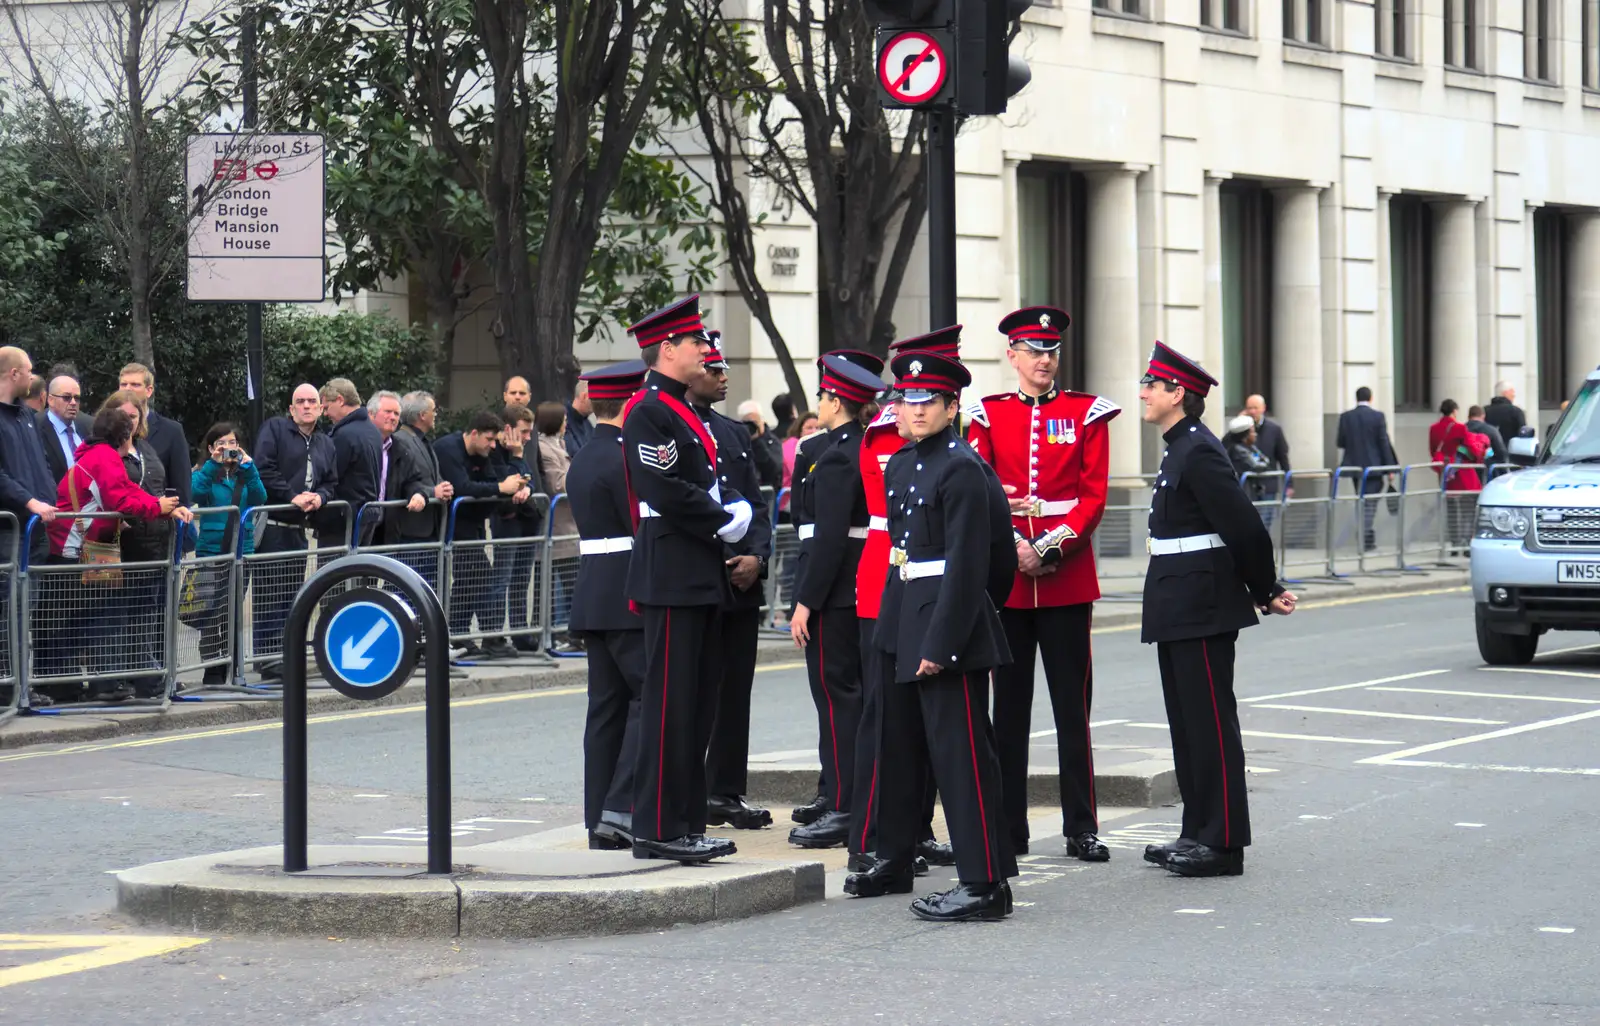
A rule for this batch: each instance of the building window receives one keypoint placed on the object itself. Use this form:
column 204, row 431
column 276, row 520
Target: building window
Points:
column 1246, row 216
column 1538, row 40
column 1052, row 205
column 1591, row 44
column 1461, row 49
column 1550, row 286
column 1411, row 300
column 1135, row 8
column 1303, row 21
column 1223, row 15
column 1394, row 29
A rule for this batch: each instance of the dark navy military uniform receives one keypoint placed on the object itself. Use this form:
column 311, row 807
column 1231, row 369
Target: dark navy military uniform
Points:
column 614, row 633
column 678, row 579
column 935, row 607
column 1211, row 567
column 728, row 752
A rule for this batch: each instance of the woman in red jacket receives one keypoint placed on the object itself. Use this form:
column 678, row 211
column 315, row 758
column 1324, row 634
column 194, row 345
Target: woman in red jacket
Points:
column 1445, row 437
column 98, row 482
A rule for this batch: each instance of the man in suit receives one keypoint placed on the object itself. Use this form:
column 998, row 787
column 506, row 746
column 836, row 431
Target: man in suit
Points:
column 417, row 411
column 63, row 428
column 1364, row 437
column 400, row 477
column 358, row 458
column 164, row 434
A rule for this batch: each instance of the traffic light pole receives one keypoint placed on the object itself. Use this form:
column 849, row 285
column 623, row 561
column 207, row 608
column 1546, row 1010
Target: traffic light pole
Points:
column 941, row 158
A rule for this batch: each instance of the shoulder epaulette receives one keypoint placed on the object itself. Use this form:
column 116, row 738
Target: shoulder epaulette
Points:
column 1101, row 408
column 974, row 411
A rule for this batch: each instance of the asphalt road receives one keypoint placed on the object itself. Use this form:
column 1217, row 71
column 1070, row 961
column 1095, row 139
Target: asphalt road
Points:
column 1422, row 844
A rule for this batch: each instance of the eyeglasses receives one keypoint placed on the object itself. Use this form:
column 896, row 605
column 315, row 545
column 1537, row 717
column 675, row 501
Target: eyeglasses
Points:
column 307, row 402
column 67, row 398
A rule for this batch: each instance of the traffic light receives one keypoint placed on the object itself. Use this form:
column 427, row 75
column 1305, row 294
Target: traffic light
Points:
column 937, row 53
column 987, row 74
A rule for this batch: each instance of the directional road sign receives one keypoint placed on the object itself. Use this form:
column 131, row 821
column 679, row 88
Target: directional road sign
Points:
column 366, row 643
column 256, row 217
column 913, row 66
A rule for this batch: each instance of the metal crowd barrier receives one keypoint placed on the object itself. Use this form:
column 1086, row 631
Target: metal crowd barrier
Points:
column 1460, row 507
column 11, row 690
column 1265, row 490
column 96, row 627
column 492, row 584
column 1367, row 520
column 209, row 595
column 289, row 545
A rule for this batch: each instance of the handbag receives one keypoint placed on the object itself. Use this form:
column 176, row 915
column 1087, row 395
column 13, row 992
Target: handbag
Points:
column 105, row 558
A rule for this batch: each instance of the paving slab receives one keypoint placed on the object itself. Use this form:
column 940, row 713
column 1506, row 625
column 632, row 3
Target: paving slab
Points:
column 385, row 891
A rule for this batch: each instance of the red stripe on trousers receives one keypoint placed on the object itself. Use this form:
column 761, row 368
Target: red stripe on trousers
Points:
column 1216, row 714
column 1088, row 739
column 661, row 750
column 833, row 731
column 866, row 821
column 972, row 743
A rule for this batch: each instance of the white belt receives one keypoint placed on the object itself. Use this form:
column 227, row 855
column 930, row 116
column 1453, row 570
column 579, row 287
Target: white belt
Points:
column 1048, row 508
column 921, row 568
column 805, row 532
column 1193, row 543
column 603, row 546
column 878, row 524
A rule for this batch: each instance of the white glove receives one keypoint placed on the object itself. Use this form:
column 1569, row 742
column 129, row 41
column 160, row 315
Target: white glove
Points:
column 735, row 529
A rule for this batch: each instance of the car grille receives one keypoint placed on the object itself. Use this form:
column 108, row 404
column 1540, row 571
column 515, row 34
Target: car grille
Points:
column 1575, row 529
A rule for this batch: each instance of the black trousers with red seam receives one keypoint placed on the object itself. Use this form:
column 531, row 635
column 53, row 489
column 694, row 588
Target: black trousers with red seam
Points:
column 611, row 726
column 1207, row 750
column 1060, row 636
column 833, row 666
column 677, row 705
column 876, row 667
column 728, row 755
column 943, row 720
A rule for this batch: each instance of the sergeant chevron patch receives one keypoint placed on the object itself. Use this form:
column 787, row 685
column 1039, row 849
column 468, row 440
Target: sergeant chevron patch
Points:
column 659, row 457
column 1101, row 407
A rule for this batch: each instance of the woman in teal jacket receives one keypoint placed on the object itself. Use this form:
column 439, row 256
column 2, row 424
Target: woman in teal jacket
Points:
column 228, row 477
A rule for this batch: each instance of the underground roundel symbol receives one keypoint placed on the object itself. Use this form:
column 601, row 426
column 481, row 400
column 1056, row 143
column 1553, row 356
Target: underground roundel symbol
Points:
column 912, row 68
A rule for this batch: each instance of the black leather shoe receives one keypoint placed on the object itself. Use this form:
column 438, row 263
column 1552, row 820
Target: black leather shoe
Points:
column 498, row 648
column 1005, row 888
column 733, row 810
column 690, row 849
column 605, row 842
column 1087, row 848
column 525, row 643
column 831, row 830
column 618, row 826
column 1202, row 860
column 811, row 811
column 1157, row 853
column 937, row 853
column 883, row 878
column 963, row 901
column 865, row 860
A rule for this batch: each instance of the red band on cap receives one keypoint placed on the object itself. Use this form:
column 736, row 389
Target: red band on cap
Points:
column 1182, row 377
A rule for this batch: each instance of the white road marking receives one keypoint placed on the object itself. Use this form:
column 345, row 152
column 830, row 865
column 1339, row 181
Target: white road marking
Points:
column 533, row 799
column 1546, row 673
column 493, row 819
column 1493, row 694
column 1555, row 929
column 1472, row 825
column 1407, row 753
column 371, row 796
column 1292, row 737
column 1259, row 769
column 1371, row 919
column 1343, row 687
column 1193, row 911
column 1093, row 726
column 1308, row 816
column 114, row 797
column 1496, row 767
column 1380, row 715
column 1571, row 648
column 253, row 794
column 379, row 837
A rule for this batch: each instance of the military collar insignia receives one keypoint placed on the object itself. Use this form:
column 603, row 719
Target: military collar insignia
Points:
column 1038, row 400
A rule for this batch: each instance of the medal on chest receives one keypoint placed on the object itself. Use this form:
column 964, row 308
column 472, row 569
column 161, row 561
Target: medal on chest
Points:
column 1060, row 432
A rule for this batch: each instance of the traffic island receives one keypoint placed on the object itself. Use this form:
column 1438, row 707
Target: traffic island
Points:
column 386, row 891
column 1133, row 777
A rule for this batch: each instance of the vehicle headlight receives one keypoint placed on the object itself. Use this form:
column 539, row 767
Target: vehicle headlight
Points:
column 1502, row 522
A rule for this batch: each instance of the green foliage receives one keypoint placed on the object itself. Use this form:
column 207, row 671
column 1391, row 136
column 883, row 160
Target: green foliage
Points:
column 373, row 350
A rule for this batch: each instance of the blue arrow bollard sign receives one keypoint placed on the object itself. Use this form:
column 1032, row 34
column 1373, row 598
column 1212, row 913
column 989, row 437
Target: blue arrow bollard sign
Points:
column 366, row 643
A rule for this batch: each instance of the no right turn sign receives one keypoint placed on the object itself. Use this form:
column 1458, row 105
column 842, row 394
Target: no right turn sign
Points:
column 913, row 67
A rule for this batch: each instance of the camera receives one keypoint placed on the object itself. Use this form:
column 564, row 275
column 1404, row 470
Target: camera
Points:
column 232, row 455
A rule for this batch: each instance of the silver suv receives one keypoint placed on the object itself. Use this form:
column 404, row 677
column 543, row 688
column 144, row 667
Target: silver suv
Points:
column 1536, row 551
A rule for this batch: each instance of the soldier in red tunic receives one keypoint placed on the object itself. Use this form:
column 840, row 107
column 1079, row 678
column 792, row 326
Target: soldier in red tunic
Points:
column 1051, row 449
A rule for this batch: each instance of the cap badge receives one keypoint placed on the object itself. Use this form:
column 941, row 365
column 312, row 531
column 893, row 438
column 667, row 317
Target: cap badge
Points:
column 916, row 368
column 1044, row 320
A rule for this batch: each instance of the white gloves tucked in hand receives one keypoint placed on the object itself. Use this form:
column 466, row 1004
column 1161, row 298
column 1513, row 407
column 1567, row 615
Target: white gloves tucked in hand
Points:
column 735, row 529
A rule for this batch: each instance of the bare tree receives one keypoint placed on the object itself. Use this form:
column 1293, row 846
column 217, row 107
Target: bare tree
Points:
column 107, row 72
column 803, row 116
